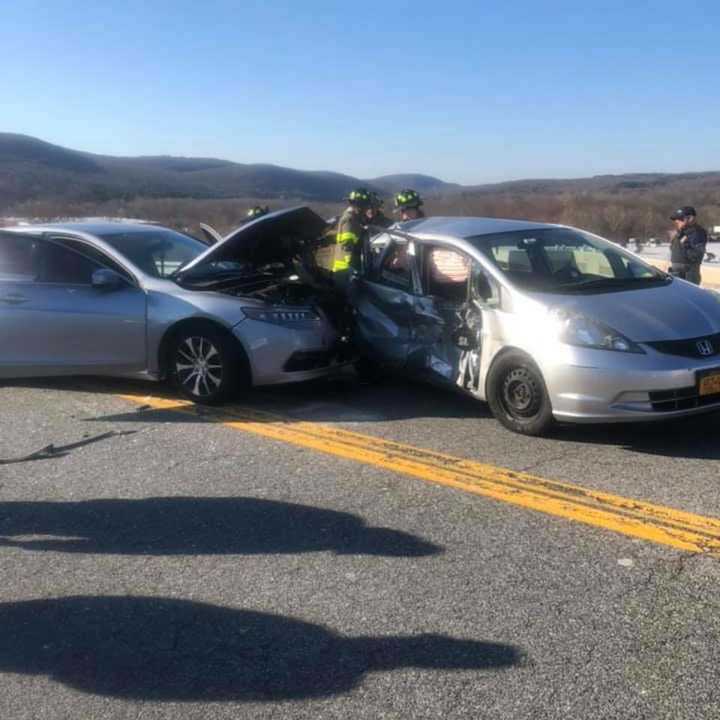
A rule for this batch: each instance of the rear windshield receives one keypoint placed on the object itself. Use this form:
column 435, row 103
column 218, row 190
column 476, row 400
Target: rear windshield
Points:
column 564, row 260
column 158, row 253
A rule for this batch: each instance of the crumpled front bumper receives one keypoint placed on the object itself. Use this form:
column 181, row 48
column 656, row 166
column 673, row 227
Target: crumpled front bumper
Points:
column 285, row 354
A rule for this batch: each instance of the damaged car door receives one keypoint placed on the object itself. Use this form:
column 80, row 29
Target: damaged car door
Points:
column 451, row 313
column 384, row 304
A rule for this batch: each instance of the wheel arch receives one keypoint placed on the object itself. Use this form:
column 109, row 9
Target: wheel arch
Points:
column 502, row 354
column 199, row 323
column 536, row 423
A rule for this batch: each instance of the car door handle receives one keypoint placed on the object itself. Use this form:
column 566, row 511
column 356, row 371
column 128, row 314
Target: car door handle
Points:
column 13, row 299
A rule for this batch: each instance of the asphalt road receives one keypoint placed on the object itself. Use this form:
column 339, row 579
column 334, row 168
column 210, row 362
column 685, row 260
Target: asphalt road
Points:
column 157, row 564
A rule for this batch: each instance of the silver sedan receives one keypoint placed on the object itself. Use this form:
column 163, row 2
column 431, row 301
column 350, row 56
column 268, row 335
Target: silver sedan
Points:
column 139, row 300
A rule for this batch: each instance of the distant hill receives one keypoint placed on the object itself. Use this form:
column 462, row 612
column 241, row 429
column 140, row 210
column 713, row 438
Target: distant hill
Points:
column 31, row 169
column 643, row 182
column 422, row 183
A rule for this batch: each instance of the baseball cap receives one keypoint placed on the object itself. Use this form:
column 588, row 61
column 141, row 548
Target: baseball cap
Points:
column 683, row 212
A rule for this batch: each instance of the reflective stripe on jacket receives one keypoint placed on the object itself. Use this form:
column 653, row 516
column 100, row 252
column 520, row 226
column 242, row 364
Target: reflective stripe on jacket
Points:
column 348, row 237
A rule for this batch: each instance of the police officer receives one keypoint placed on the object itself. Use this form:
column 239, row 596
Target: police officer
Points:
column 688, row 245
column 408, row 204
column 349, row 236
column 374, row 215
column 256, row 212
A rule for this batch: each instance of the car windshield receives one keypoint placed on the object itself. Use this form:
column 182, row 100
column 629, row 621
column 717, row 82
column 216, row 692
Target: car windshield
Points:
column 565, row 260
column 156, row 252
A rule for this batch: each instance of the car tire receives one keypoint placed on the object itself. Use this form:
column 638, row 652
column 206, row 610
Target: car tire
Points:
column 517, row 395
column 205, row 365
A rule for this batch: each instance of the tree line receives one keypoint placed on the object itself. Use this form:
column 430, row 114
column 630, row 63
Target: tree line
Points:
column 615, row 215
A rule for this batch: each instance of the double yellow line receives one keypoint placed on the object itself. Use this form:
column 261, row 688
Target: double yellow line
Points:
column 635, row 518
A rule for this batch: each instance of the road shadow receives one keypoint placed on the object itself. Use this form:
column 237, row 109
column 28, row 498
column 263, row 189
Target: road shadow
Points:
column 341, row 399
column 349, row 401
column 696, row 438
column 160, row 649
column 692, row 438
column 198, row 526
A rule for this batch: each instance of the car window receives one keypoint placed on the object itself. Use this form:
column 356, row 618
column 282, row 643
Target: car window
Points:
column 450, row 276
column 564, row 260
column 18, row 258
column 445, row 273
column 512, row 260
column 94, row 254
column 64, row 266
column 395, row 267
column 585, row 260
column 634, row 268
column 158, row 252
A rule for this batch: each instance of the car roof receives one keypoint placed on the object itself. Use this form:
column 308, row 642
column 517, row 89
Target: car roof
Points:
column 88, row 227
column 448, row 227
column 463, row 228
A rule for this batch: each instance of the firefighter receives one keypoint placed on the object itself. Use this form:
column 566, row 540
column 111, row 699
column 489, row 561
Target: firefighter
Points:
column 408, row 204
column 256, row 212
column 688, row 245
column 349, row 236
column 374, row 215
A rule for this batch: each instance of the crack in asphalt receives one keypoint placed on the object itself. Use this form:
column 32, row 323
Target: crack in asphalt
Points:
column 537, row 464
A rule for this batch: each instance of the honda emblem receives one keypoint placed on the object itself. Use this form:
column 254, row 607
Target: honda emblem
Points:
column 705, row 347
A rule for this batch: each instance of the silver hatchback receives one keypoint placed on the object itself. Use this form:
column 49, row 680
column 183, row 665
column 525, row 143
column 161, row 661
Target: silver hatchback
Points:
column 546, row 323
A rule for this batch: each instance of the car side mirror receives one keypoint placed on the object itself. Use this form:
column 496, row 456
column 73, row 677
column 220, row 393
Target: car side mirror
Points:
column 107, row 280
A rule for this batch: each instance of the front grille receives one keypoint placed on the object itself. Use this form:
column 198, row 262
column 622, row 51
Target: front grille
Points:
column 688, row 348
column 681, row 399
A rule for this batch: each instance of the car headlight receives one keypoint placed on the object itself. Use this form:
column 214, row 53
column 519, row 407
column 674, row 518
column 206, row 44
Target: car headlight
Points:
column 575, row 329
column 289, row 316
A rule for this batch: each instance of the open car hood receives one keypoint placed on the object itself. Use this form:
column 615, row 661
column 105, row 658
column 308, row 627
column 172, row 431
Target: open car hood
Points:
column 275, row 237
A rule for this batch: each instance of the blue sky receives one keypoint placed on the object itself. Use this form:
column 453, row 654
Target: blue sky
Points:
column 469, row 91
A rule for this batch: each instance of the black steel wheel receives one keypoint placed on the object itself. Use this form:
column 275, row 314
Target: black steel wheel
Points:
column 517, row 395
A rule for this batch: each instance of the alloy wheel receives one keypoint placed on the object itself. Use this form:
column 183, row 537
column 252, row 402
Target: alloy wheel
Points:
column 198, row 366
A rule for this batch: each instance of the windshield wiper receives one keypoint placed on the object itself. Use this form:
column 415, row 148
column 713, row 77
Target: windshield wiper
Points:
column 612, row 282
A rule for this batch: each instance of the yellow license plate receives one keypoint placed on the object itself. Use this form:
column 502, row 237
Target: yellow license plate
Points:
column 710, row 385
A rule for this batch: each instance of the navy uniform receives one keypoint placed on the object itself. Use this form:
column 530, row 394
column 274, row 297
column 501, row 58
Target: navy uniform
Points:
column 688, row 247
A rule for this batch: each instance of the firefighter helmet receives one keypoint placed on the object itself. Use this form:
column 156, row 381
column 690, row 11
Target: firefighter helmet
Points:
column 408, row 199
